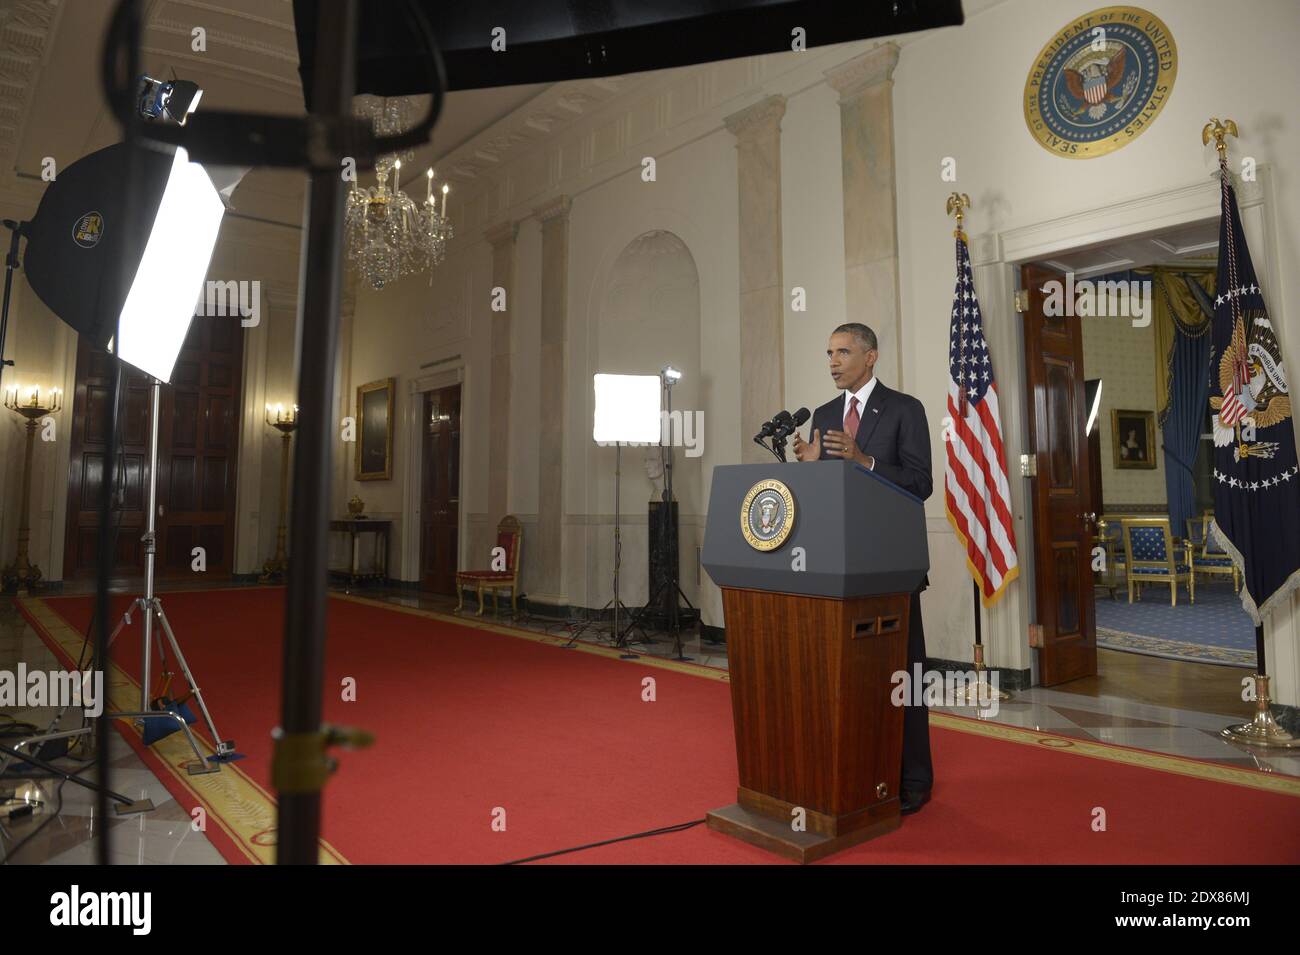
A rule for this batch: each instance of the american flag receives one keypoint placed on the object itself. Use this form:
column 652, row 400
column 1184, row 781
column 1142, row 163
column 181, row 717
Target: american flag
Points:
column 976, row 495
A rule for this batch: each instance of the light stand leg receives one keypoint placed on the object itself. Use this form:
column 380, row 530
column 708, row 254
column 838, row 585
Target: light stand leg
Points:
column 150, row 548
column 224, row 747
column 125, row 806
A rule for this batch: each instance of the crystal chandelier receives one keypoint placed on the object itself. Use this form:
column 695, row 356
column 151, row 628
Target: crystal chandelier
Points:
column 387, row 234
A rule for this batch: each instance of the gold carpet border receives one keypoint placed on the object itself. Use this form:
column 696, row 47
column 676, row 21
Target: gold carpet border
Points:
column 1144, row 759
column 243, row 810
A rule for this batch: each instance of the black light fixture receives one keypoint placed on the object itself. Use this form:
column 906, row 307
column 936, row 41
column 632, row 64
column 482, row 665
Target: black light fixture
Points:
column 166, row 100
column 183, row 99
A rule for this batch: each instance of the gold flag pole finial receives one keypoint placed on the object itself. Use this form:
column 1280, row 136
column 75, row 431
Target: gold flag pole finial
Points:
column 956, row 202
column 1219, row 130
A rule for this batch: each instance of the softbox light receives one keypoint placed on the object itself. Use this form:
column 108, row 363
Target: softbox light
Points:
column 627, row 409
column 90, row 265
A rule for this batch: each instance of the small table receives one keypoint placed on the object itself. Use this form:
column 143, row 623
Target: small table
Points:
column 355, row 528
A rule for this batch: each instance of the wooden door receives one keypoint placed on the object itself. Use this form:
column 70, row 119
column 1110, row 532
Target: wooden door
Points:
column 198, row 444
column 440, row 491
column 129, row 472
column 1063, row 526
column 198, row 440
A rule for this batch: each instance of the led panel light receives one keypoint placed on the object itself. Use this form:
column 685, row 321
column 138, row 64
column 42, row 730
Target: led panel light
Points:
column 627, row 409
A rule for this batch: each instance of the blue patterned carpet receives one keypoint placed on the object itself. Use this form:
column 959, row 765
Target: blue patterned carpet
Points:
column 1213, row 630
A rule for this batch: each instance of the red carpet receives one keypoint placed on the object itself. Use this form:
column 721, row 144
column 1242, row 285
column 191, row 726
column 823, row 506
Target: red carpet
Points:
column 471, row 722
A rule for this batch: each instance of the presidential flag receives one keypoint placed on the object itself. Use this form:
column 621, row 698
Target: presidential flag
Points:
column 1256, row 479
column 976, row 495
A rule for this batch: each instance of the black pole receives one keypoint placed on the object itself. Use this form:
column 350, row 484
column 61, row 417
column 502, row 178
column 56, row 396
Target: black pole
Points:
column 334, row 83
column 975, row 593
column 11, row 263
column 119, row 282
column 1260, row 668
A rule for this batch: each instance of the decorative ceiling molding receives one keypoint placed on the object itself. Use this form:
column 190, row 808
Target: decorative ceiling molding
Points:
column 546, row 116
column 26, row 28
column 285, row 24
column 284, row 83
column 220, row 39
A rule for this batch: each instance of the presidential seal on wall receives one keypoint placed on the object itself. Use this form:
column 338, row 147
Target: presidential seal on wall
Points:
column 1100, row 82
column 767, row 515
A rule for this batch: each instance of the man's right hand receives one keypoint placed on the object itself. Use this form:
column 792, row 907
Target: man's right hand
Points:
column 808, row 451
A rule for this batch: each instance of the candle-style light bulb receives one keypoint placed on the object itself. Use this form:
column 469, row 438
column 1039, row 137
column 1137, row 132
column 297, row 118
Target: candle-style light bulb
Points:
column 445, row 189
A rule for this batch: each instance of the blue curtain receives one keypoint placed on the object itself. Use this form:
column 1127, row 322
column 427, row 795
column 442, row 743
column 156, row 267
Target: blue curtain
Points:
column 1189, row 391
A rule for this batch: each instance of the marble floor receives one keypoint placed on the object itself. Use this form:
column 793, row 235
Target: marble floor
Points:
column 62, row 825
column 1160, row 717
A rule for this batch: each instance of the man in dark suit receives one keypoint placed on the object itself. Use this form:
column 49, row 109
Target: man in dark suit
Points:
column 885, row 431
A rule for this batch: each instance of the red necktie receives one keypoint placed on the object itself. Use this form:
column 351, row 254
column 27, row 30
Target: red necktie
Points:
column 851, row 420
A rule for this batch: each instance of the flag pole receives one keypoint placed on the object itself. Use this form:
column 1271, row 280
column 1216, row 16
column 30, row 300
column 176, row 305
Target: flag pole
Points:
column 1263, row 730
column 977, row 693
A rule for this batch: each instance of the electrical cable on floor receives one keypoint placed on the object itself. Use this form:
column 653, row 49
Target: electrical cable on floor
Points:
column 680, row 827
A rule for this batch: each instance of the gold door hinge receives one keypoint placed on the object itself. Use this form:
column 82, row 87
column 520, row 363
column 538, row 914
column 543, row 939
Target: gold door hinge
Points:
column 1022, row 300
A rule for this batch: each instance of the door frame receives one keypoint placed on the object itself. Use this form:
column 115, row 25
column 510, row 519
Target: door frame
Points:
column 440, row 373
column 996, row 257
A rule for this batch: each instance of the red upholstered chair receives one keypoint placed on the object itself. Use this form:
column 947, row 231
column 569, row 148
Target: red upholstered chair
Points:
column 509, row 537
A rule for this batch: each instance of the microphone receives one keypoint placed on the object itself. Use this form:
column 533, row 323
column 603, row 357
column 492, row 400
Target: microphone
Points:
column 769, row 427
column 789, row 424
column 782, row 424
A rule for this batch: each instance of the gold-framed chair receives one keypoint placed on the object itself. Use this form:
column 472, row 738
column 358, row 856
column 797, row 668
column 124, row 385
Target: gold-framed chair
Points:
column 1149, row 550
column 510, row 536
column 1207, row 557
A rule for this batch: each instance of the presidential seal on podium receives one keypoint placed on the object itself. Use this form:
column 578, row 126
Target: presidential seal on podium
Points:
column 767, row 515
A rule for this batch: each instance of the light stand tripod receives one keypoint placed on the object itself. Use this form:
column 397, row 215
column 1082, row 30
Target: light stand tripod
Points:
column 615, row 602
column 150, row 604
column 24, row 749
column 669, row 584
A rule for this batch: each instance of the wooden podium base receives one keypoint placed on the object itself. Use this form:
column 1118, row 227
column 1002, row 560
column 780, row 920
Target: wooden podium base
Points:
column 775, row 835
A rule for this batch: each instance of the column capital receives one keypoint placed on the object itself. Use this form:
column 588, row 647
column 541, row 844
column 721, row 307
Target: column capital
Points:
column 501, row 233
column 859, row 74
column 759, row 121
column 556, row 208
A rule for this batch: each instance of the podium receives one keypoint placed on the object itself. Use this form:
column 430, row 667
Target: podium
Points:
column 817, row 563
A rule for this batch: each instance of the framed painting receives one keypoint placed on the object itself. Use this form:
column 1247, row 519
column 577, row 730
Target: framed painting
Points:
column 374, row 454
column 1133, row 438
